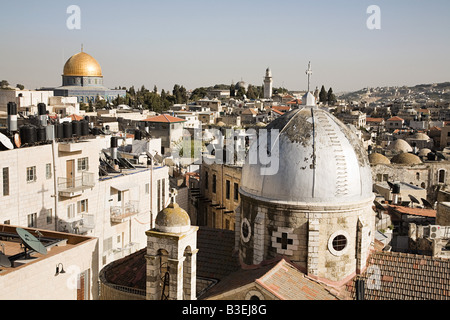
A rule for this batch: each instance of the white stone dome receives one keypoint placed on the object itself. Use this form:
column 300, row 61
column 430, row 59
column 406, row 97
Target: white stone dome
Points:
column 321, row 161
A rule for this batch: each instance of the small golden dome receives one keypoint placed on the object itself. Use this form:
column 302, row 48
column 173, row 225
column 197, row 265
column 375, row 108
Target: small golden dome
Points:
column 82, row 65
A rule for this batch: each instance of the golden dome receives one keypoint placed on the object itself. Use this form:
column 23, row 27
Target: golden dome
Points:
column 82, row 65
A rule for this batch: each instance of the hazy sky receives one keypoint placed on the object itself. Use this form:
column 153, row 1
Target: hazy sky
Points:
column 198, row 43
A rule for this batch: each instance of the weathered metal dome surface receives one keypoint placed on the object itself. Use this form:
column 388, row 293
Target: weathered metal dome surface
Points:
column 320, row 160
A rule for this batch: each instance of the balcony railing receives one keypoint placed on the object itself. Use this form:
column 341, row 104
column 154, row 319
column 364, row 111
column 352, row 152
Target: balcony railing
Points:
column 120, row 213
column 71, row 187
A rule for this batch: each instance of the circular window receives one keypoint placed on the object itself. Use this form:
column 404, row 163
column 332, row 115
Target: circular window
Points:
column 246, row 230
column 338, row 243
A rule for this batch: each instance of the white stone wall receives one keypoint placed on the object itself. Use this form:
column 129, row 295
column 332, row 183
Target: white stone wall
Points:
column 37, row 280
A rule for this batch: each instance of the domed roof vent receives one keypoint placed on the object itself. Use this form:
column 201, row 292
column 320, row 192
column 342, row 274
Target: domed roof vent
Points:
column 173, row 219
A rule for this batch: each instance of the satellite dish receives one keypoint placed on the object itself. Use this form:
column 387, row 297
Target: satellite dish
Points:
column 440, row 156
column 4, row 140
column 413, row 199
column 4, row 261
column 427, row 204
column 31, row 242
column 17, row 140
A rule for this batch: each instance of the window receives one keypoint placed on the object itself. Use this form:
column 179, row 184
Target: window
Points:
column 214, row 183
column 338, row 243
column 147, row 188
column 442, row 176
column 31, row 174
column 82, row 206
column 83, row 164
column 49, row 216
column 32, row 222
column 119, row 196
column 6, row 181
column 206, row 180
column 228, row 189
column 48, row 171
column 418, row 176
column 71, row 211
column 7, row 222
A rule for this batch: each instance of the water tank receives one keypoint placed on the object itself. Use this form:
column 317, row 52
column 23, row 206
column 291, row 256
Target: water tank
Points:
column 95, row 131
column 84, row 128
column 12, row 116
column 59, row 131
column 50, row 132
column 137, row 134
column 28, row 134
column 76, row 128
column 41, row 134
column 114, row 142
column 42, row 109
column 396, row 188
column 67, row 130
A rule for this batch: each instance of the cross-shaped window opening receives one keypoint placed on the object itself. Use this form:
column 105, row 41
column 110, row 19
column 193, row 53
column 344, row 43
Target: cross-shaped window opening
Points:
column 285, row 241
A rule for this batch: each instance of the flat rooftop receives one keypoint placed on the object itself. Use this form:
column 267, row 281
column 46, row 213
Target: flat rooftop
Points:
column 12, row 246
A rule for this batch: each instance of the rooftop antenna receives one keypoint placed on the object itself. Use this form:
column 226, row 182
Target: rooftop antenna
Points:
column 309, row 73
column 82, row 47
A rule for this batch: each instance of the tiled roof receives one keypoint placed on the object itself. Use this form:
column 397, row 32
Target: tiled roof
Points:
column 280, row 278
column 394, row 119
column 277, row 111
column 401, row 276
column 430, row 213
column 165, row 118
column 374, row 119
column 288, row 283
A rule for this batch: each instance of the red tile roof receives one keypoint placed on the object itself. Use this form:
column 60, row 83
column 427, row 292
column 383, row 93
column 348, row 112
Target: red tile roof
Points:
column 430, row 213
column 278, row 111
column 395, row 119
column 401, row 276
column 75, row 117
column 165, row 118
column 374, row 119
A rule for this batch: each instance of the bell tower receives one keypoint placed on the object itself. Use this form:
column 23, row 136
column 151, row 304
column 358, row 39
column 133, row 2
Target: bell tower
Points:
column 172, row 255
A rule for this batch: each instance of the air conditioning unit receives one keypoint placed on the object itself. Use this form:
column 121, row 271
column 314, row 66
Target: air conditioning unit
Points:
column 435, row 232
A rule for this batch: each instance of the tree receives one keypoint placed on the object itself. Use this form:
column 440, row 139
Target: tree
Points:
column 20, row 86
column 323, row 95
column 251, row 93
column 331, row 98
column 232, row 91
column 4, row 84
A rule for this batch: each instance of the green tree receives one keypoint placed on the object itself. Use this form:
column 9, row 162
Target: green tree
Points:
column 4, row 84
column 232, row 91
column 323, row 95
column 20, row 86
column 251, row 94
column 240, row 93
column 331, row 98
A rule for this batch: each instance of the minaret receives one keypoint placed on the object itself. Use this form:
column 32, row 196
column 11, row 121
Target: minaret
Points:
column 268, row 85
column 309, row 73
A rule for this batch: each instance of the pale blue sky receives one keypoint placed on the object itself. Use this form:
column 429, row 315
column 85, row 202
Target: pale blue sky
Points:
column 202, row 43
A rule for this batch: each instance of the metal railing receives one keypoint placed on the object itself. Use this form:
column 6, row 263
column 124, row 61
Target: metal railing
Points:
column 85, row 181
column 118, row 213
